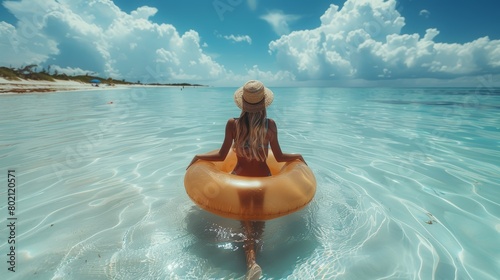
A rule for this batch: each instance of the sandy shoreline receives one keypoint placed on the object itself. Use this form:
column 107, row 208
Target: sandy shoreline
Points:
column 31, row 86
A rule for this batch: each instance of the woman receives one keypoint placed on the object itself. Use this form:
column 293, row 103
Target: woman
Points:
column 250, row 136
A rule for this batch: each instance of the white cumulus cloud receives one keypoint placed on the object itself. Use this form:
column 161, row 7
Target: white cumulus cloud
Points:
column 279, row 21
column 363, row 40
column 424, row 13
column 238, row 38
column 97, row 35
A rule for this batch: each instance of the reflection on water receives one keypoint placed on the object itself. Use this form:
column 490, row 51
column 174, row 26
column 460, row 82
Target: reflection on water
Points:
column 285, row 243
column 407, row 185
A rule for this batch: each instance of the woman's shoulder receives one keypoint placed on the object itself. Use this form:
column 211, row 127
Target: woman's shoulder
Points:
column 271, row 121
column 271, row 124
column 231, row 122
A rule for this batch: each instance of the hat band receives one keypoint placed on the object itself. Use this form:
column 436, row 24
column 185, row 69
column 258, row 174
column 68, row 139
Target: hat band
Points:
column 254, row 107
column 252, row 94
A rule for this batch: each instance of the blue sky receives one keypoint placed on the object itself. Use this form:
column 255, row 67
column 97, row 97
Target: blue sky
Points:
column 226, row 42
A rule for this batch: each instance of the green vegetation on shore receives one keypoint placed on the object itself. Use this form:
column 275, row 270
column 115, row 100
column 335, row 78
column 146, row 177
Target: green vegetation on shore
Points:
column 30, row 73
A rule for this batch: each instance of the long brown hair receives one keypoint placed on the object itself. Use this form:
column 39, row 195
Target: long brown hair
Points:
column 251, row 135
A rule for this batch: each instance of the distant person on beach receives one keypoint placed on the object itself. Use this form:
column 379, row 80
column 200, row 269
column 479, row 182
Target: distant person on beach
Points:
column 250, row 136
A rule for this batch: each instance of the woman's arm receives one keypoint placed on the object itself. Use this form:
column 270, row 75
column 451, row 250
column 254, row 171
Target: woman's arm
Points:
column 221, row 154
column 275, row 146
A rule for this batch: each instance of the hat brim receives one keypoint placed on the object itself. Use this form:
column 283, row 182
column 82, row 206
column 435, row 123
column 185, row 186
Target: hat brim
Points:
column 238, row 97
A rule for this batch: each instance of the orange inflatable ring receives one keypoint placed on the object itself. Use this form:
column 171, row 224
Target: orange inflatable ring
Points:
column 212, row 187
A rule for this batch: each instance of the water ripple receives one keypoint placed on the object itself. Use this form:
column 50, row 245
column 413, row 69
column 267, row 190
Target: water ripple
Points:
column 407, row 185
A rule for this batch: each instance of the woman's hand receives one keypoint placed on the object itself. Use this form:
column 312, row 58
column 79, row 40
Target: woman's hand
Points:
column 301, row 159
column 195, row 158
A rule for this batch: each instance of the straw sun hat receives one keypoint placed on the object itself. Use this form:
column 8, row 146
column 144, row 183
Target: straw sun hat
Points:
column 253, row 96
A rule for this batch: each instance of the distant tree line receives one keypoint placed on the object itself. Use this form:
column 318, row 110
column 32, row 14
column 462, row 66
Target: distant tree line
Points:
column 30, row 72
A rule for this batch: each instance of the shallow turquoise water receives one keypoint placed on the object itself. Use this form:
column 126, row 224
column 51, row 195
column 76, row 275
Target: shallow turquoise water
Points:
column 408, row 185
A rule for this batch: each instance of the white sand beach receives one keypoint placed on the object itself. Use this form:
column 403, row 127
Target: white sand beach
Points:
column 33, row 86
